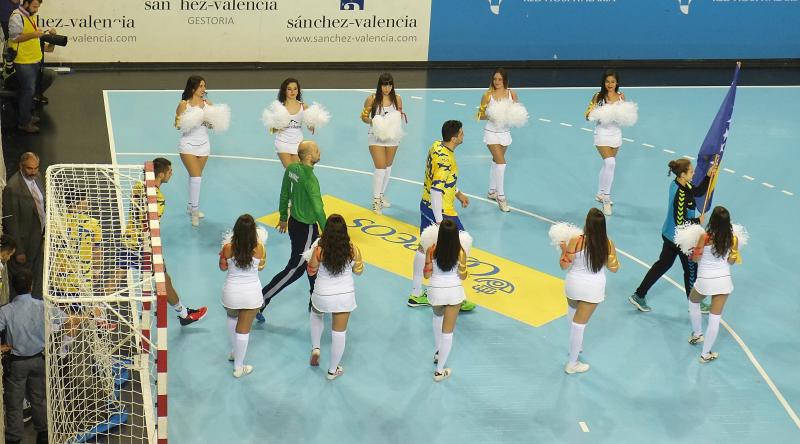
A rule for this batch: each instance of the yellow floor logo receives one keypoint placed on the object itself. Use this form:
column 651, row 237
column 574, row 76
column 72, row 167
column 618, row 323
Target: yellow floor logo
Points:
column 497, row 284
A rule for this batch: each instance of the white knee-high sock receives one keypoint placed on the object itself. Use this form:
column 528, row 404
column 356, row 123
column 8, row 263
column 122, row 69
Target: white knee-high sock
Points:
column 386, row 179
column 500, row 177
column 492, row 177
column 232, row 330
column 240, row 349
column 416, row 281
column 194, row 192
column 711, row 332
column 694, row 316
column 437, row 330
column 317, row 325
column 607, row 176
column 183, row 312
column 575, row 342
column 445, row 346
column 377, row 182
column 338, row 339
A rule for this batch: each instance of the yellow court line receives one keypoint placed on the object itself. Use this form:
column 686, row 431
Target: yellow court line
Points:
column 495, row 283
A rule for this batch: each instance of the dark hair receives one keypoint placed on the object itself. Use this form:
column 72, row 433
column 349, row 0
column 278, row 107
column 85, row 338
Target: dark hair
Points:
column 450, row 129
column 720, row 231
column 679, row 166
column 22, row 281
column 161, row 165
column 192, row 83
column 335, row 243
column 244, row 241
column 503, row 74
column 601, row 96
column 384, row 79
column 7, row 242
column 595, row 240
column 285, row 85
column 448, row 245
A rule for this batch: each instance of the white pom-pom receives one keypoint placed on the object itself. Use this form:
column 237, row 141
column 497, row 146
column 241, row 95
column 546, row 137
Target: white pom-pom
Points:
column 602, row 114
column 497, row 112
column 687, row 236
column 276, row 116
column 218, row 116
column 561, row 233
column 316, row 116
column 262, row 234
column 429, row 237
column 191, row 118
column 741, row 233
column 308, row 253
column 388, row 127
column 517, row 115
column 466, row 241
column 627, row 113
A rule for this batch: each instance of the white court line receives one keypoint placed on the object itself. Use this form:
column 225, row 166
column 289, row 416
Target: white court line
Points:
column 689, row 157
column 564, row 124
column 111, row 145
column 742, row 345
column 584, row 427
column 647, row 145
column 668, row 151
column 729, row 170
column 544, row 120
column 586, row 129
column 416, row 97
column 788, row 193
column 628, row 140
column 768, row 185
column 749, row 177
column 459, row 104
column 438, row 100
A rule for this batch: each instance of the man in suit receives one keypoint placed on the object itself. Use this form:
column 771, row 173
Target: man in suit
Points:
column 24, row 212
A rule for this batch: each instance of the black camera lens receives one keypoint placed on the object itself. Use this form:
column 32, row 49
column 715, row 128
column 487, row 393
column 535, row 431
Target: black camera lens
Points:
column 54, row 39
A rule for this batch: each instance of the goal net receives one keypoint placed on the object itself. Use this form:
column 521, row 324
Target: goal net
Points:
column 105, row 304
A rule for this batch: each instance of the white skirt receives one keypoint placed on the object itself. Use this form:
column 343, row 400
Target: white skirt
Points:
column 334, row 303
column 242, row 297
column 195, row 147
column 586, row 290
column 373, row 141
column 610, row 135
column 497, row 138
column 286, row 147
column 446, row 295
column 708, row 286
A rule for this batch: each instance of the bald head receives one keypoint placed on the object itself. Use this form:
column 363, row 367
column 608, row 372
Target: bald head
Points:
column 308, row 152
column 29, row 165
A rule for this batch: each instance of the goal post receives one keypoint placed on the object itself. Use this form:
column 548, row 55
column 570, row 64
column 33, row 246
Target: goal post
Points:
column 105, row 305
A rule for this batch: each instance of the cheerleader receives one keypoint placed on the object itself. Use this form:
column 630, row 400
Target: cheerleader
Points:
column 586, row 256
column 383, row 111
column 497, row 135
column 194, row 146
column 607, row 136
column 446, row 267
column 715, row 252
column 289, row 136
column 681, row 210
column 334, row 260
column 242, row 256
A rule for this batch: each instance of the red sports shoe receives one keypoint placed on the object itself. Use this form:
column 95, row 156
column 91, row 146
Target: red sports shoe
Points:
column 193, row 316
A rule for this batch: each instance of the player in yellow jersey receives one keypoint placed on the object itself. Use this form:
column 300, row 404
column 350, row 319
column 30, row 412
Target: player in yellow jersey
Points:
column 132, row 255
column 438, row 200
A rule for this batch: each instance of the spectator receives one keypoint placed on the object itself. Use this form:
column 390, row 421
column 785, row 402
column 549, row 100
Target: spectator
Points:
column 7, row 248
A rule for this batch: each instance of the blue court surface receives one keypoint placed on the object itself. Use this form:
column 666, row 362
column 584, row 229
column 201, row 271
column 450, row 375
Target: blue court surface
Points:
column 508, row 382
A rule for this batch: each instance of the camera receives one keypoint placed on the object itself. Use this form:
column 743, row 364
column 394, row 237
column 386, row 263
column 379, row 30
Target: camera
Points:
column 54, row 39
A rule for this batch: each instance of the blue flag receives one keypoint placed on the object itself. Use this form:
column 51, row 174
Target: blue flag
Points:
column 714, row 143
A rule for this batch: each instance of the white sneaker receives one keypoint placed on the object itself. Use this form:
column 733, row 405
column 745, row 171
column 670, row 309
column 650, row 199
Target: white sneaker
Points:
column 599, row 198
column 200, row 214
column 339, row 371
column 503, row 204
column 243, row 371
column 385, row 202
column 607, row 207
column 195, row 218
column 694, row 340
column 709, row 357
column 491, row 195
column 579, row 367
column 439, row 377
column 376, row 205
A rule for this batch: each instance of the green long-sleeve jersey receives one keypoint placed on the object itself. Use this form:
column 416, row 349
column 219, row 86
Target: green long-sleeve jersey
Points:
column 301, row 186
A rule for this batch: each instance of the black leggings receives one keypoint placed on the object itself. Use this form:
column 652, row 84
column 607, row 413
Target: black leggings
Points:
column 669, row 251
column 302, row 236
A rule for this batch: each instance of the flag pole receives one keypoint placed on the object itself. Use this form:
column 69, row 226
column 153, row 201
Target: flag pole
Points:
column 712, row 184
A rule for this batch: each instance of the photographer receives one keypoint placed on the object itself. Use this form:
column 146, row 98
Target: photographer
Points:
column 26, row 47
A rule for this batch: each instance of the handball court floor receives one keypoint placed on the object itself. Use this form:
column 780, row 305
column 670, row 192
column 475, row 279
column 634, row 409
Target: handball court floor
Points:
column 508, row 383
